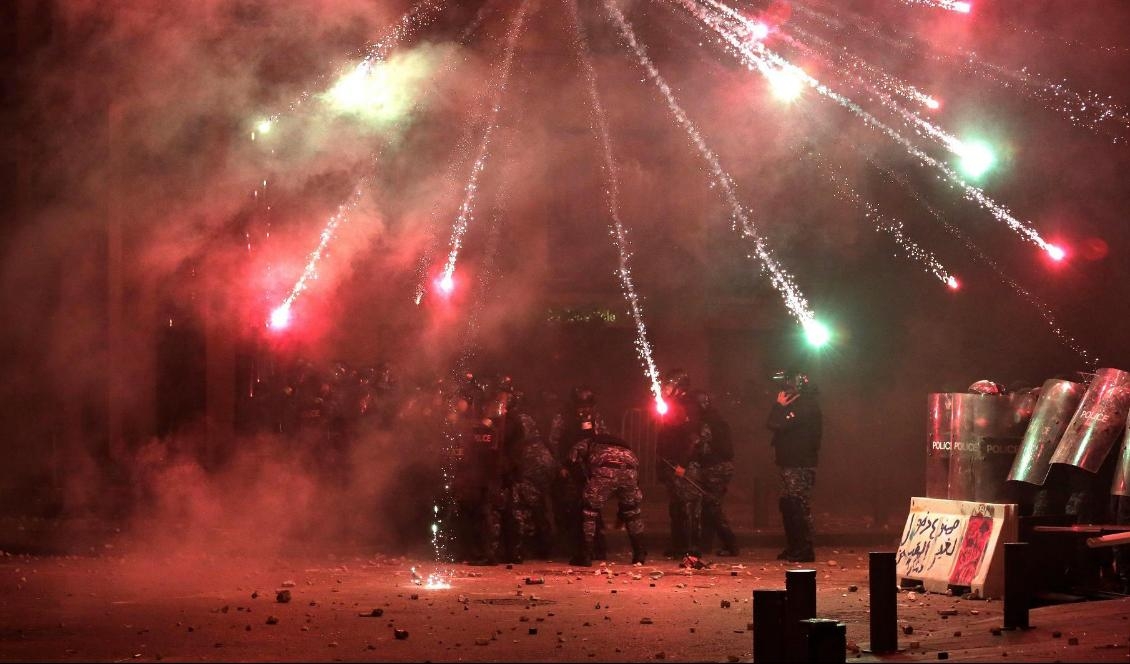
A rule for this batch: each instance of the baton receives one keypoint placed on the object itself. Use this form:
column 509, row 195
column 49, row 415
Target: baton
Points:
column 686, row 479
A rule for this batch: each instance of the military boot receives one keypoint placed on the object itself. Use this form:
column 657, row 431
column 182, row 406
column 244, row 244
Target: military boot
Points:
column 583, row 557
column 639, row 553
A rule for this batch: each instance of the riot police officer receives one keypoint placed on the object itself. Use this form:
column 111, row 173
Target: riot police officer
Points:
column 534, row 469
column 579, row 420
column 612, row 470
column 677, row 466
column 714, row 451
column 797, row 426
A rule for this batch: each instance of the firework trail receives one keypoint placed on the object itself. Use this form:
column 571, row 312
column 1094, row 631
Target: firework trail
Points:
column 1089, row 359
column 1088, row 110
column 456, row 162
column 442, row 537
column 466, row 209
column 280, row 317
column 772, row 66
column 782, row 281
column 958, row 6
column 612, row 202
column 894, row 228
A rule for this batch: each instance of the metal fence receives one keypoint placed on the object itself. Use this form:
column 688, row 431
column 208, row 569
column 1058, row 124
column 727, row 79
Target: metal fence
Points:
column 638, row 426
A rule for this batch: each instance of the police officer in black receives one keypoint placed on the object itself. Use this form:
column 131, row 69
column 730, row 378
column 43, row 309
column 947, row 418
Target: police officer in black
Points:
column 611, row 469
column 714, row 450
column 677, row 466
column 797, row 426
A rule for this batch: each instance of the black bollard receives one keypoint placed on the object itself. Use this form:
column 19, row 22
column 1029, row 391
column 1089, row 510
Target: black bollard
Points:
column 884, row 602
column 827, row 640
column 1017, row 586
column 800, row 604
column 768, row 625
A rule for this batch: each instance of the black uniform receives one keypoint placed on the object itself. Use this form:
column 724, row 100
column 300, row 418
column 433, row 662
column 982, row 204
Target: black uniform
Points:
column 797, row 429
column 715, row 451
column 675, row 447
column 612, row 470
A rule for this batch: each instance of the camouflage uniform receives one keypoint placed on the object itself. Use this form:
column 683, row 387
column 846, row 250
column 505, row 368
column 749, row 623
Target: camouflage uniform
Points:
column 570, row 481
column 534, row 476
column 612, row 469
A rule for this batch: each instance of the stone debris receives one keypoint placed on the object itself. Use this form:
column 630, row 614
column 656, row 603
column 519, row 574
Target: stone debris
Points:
column 947, row 612
column 908, row 629
column 255, row 595
column 531, row 581
column 943, row 655
column 853, row 588
column 282, row 596
column 1073, row 641
column 647, row 621
column 271, row 620
column 375, row 613
column 1057, row 634
column 400, row 634
column 287, row 584
column 995, row 631
column 725, row 604
column 482, row 642
column 533, row 631
column 733, row 658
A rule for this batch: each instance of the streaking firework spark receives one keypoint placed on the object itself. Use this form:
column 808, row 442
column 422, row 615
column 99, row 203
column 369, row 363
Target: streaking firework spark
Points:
column 842, row 187
column 612, row 202
column 466, row 209
column 756, row 56
column 1090, row 110
column 281, row 316
column 958, row 6
column 782, row 281
column 1043, row 310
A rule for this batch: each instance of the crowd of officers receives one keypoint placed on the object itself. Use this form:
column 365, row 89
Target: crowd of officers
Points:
column 511, row 492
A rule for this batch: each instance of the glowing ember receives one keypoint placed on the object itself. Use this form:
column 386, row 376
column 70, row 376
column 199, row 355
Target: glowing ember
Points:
column 661, row 406
column 280, row 317
column 264, row 126
column 786, row 84
column 435, row 580
column 445, row 284
column 932, row 104
column 1055, row 252
column 953, row 283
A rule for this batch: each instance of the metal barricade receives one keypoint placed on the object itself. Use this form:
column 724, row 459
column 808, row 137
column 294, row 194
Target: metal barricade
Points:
column 639, row 426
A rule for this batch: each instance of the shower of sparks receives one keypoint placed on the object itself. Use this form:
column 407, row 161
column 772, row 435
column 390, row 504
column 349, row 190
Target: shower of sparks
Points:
column 281, row 315
column 952, row 5
column 782, row 281
column 466, row 209
column 1089, row 359
column 434, row 581
column 1093, row 111
column 756, row 56
column 894, row 228
column 612, row 202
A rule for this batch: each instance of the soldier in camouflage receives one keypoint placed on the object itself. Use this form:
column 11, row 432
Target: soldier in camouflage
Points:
column 612, row 470
column 580, row 419
column 715, row 453
column 535, row 469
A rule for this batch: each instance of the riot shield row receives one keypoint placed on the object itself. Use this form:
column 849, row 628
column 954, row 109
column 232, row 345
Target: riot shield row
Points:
column 985, row 447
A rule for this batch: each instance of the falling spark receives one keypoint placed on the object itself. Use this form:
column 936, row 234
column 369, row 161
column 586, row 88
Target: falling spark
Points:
column 612, row 202
column 466, row 209
column 895, row 229
column 952, row 5
column 757, row 56
column 282, row 313
column 782, row 281
column 1094, row 111
column 1045, row 312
